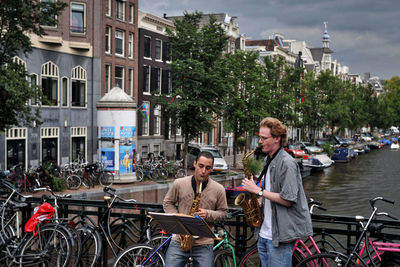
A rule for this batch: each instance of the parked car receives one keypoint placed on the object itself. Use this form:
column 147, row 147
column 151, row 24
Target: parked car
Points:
column 294, row 150
column 365, row 137
column 220, row 164
column 341, row 141
column 310, row 148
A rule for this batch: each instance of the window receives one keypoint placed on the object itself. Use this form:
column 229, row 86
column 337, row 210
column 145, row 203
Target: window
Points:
column 50, row 83
column 156, row 150
column 120, row 9
column 16, row 147
column 119, row 77
column 146, row 79
column 108, row 40
column 145, row 122
column 145, row 152
column 78, row 143
column 130, row 82
column 131, row 13
column 157, row 120
column 130, row 45
column 166, row 55
column 147, row 47
column 107, row 78
column 155, row 81
column 49, row 144
column 34, row 82
column 78, row 78
column 45, row 9
column 158, row 49
column 166, row 82
column 119, row 42
column 108, row 8
column 64, row 92
column 78, row 18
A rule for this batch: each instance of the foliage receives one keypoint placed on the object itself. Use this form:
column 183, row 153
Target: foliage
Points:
column 198, row 81
column 241, row 141
column 328, row 148
column 18, row 20
column 255, row 166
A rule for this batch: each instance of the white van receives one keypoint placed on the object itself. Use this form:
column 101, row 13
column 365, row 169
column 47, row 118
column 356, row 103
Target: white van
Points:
column 220, row 164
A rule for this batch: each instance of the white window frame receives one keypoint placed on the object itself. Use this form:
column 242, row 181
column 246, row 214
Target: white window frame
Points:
column 108, row 8
column 16, row 134
column 144, row 47
column 107, row 42
column 130, row 46
column 146, row 90
column 62, row 92
column 79, row 74
column 107, row 77
column 159, row 57
column 158, row 89
column 157, row 120
column 130, row 81
column 120, row 8
column 49, row 69
column 144, row 152
column 145, row 124
column 78, row 132
column 84, row 18
column 131, row 13
column 155, row 146
column 117, row 32
column 50, row 132
column 122, row 78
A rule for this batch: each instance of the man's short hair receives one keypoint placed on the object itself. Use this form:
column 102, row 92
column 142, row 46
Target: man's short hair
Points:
column 205, row 154
column 277, row 128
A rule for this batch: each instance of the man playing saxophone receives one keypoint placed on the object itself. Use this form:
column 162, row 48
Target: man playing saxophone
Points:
column 210, row 204
column 286, row 215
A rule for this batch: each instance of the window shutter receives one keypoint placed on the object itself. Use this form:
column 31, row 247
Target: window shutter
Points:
column 164, row 82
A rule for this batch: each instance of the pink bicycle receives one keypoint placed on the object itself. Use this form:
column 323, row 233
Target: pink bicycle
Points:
column 365, row 252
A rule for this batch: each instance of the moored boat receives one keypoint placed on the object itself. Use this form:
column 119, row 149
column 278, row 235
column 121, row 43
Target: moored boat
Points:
column 341, row 155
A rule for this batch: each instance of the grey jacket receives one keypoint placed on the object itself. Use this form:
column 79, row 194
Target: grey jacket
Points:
column 288, row 224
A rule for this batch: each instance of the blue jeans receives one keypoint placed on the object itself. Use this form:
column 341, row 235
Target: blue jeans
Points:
column 275, row 256
column 203, row 256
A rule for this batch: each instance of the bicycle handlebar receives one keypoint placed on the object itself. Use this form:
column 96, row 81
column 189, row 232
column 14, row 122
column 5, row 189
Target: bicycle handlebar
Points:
column 372, row 201
column 111, row 191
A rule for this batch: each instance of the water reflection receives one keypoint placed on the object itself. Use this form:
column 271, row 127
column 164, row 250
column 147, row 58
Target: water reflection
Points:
column 345, row 188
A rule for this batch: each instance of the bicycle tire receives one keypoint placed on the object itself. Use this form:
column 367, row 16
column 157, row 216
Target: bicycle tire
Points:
column 250, row 258
column 91, row 246
column 138, row 254
column 76, row 245
column 106, row 179
column 157, row 240
column 325, row 260
column 180, row 173
column 224, row 258
column 85, row 182
column 139, row 175
column 54, row 241
column 163, row 173
column 124, row 233
column 73, row 182
column 154, row 174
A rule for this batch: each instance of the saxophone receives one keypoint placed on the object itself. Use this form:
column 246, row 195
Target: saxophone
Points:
column 186, row 241
column 251, row 210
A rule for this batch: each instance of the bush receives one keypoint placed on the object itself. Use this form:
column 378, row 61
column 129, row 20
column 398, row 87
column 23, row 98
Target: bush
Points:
column 328, row 148
column 255, row 166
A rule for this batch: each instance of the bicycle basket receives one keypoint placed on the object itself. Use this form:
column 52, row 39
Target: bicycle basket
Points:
column 90, row 168
column 43, row 212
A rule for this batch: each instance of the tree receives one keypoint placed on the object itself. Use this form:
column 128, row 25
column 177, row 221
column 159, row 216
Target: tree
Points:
column 392, row 101
column 18, row 19
column 198, row 83
column 243, row 104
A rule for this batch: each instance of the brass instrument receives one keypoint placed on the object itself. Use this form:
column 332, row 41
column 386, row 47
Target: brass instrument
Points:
column 251, row 210
column 186, row 241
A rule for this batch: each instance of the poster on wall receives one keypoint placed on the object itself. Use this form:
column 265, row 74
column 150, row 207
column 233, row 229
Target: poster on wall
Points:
column 127, row 149
column 107, row 135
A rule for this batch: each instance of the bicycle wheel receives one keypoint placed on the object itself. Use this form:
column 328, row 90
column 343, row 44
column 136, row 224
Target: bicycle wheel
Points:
column 106, row 179
column 325, row 260
column 50, row 247
column 124, row 233
column 73, row 182
column 139, row 175
column 224, row 258
column 180, row 173
column 157, row 240
column 76, row 244
column 163, row 173
column 91, row 246
column 138, row 255
column 250, row 258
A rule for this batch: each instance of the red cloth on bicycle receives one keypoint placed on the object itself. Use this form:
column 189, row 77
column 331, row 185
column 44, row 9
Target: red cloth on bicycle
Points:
column 44, row 212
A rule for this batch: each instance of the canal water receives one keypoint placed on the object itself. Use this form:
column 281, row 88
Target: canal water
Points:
column 345, row 188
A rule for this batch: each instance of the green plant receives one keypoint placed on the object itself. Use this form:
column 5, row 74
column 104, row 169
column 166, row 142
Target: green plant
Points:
column 255, row 166
column 241, row 141
column 328, row 148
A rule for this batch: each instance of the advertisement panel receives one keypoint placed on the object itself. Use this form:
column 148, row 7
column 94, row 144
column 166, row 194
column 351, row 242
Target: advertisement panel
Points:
column 107, row 135
column 127, row 149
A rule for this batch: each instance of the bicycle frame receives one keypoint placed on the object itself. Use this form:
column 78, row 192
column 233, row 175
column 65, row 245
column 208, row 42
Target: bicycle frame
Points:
column 225, row 243
column 164, row 244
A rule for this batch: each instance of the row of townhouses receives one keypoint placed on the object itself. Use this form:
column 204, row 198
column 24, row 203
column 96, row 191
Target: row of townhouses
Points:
column 101, row 67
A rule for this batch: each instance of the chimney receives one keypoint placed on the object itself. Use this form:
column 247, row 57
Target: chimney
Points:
column 165, row 15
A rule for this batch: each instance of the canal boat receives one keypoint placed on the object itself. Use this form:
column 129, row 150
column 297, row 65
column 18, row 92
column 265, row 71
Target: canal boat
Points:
column 341, row 155
column 394, row 146
column 317, row 162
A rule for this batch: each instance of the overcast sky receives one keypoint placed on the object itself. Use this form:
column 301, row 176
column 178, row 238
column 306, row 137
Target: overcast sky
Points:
column 365, row 34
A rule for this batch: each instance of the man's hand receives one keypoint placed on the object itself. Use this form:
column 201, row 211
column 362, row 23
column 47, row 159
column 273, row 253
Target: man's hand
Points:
column 250, row 186
column 202, row 213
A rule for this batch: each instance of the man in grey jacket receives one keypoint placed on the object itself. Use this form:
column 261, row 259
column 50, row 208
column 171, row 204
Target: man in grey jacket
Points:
column 285, row 209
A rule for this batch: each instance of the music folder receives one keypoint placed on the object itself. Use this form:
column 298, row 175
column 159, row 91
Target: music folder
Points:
column 182, row 224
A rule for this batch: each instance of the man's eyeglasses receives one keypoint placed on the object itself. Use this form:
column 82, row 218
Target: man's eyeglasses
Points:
column 262, row 138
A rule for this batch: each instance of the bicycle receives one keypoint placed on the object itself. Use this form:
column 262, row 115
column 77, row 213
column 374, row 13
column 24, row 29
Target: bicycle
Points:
column 364, row 245
column 43, row 243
